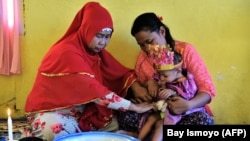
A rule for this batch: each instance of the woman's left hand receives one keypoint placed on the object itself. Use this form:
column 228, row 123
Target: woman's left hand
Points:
column 152, row 87
column 140, row 93
column 178, row 105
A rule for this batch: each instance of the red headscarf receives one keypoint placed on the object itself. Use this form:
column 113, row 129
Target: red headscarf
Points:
column 69, row 75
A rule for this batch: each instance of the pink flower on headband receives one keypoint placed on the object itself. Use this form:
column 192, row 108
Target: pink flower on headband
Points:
column 162, row 56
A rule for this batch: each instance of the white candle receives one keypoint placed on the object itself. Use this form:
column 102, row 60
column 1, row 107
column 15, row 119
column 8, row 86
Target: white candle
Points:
column 10, row 133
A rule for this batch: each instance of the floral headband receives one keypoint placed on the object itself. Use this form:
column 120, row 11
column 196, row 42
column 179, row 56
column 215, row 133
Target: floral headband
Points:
column 162, row 57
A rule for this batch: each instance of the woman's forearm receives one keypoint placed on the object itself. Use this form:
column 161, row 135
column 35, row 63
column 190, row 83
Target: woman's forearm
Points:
column 200, row 100
column 114, row 101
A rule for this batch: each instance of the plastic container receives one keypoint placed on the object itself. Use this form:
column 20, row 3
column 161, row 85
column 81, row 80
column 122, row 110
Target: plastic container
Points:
column 2, row 138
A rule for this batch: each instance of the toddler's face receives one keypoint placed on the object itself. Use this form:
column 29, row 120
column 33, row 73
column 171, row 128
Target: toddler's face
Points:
column 168, row 75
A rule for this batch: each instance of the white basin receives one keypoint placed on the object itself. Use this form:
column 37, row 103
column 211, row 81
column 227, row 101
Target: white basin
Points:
column 96, row 136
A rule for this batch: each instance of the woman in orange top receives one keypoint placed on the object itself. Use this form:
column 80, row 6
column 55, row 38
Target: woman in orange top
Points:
column 148, row 29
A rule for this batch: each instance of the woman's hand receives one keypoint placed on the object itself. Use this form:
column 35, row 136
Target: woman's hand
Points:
column 178, row 105
column 140, row 93
column 142, row 107
column 152, row 87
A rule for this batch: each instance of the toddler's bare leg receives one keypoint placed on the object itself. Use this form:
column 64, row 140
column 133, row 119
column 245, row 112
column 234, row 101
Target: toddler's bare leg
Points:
column 149, row 125
column 158, row 133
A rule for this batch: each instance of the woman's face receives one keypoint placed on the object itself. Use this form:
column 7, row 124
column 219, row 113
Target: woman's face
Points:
column 100, row 41
column 146, row 38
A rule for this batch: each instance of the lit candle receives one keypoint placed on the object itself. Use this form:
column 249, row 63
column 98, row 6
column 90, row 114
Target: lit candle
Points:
column 10, row 126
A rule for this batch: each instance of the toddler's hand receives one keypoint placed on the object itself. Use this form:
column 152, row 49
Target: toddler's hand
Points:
column 166, row 93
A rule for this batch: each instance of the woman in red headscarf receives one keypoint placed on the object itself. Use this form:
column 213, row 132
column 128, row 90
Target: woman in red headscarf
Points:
column 79, row 83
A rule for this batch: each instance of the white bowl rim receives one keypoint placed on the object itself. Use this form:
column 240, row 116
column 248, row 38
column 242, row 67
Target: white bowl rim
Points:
column 95, row 133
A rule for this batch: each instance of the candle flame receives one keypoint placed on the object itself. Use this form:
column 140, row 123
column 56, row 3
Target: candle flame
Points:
column 8, row 111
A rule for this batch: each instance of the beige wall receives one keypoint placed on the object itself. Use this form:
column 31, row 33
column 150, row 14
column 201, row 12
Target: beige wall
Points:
column 218, row 29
